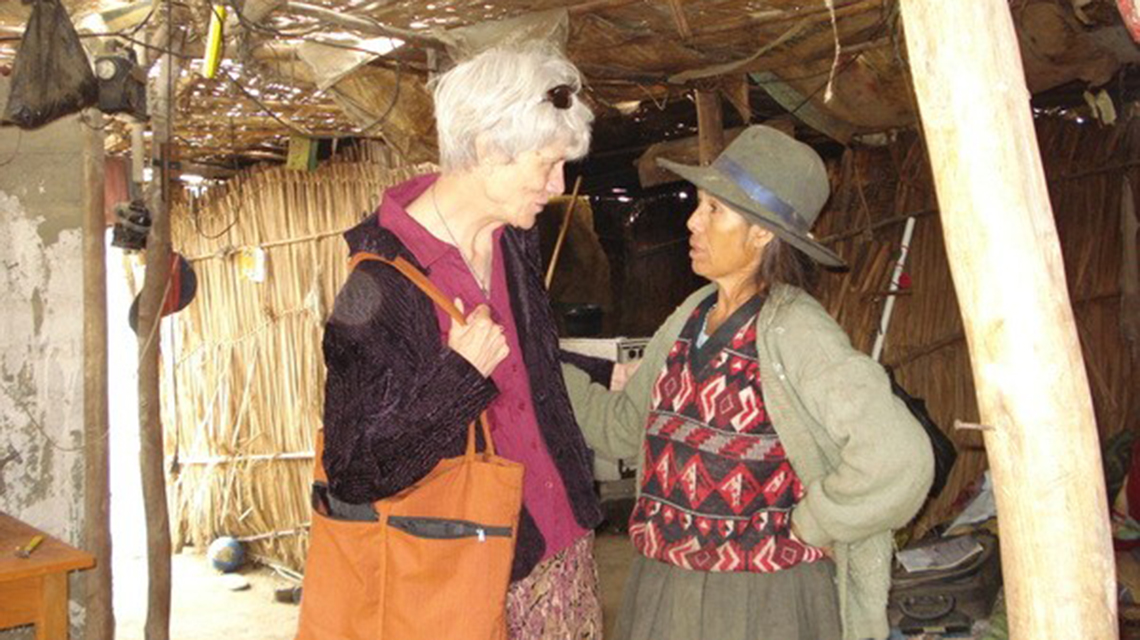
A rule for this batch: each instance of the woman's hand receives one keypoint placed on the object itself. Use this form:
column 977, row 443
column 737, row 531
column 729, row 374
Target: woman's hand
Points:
column 480, row 341
column 622, row 373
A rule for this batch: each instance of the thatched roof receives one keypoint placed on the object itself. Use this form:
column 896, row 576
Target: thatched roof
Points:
column 838, row 66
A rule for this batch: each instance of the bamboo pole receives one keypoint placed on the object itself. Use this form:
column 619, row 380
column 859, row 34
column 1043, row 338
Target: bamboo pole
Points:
column 1032, row 388
column 562, row 232
column 1129, row 276
column 892, row 291
column 97, row 496
column 257, row 457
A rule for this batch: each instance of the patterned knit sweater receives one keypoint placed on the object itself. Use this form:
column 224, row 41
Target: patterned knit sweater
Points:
column 717, row 488
column 864, row 460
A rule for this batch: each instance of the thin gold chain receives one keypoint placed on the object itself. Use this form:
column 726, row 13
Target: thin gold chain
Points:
column 474, row 275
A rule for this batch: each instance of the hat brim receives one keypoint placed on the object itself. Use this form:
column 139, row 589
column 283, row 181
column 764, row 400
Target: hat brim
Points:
column 724, row 188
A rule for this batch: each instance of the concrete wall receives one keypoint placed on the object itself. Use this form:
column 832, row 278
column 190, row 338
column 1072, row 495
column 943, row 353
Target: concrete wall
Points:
column 41, row 327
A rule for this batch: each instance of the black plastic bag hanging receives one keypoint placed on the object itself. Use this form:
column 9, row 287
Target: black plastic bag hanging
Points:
column 51, row 76
column 945, row 453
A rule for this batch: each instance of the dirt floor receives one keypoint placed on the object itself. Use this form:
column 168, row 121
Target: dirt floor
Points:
column 203, row 608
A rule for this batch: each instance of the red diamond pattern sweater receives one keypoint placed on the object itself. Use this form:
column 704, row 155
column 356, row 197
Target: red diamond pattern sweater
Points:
column 717, row 489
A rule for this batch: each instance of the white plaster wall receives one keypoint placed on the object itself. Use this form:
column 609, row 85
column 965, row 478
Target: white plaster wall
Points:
column 41, row 371
column 41, row 327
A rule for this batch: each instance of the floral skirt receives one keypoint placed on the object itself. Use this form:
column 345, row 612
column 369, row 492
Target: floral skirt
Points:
column 559, row 599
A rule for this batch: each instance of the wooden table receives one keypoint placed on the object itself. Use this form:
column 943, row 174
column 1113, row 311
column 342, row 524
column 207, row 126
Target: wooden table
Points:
column 34, row 590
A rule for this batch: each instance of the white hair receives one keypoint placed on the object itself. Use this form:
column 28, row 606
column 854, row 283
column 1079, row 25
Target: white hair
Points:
column 500, row 94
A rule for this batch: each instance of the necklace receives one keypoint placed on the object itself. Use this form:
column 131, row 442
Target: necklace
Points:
column 470, row 269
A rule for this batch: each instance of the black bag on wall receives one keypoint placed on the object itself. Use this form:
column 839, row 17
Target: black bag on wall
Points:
column 51, row 76
column 944, row 452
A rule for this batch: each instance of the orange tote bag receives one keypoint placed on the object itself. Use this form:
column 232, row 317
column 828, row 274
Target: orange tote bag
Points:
column 432, row 562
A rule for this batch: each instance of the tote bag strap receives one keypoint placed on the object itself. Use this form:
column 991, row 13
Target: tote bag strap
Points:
column 417, row 277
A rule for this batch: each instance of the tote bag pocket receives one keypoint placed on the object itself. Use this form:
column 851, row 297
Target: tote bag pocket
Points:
column 342, row 560
column 420, row 550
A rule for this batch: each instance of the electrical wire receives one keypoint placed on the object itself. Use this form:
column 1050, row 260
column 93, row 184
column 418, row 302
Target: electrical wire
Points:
column 254, row 99
column 237, row 198
column 19, row 141
column 293, row 127
column 303, row 132
column 121, row 33
column 128, row 33
column 87, row 123
column 387, row 112
column 254, row 26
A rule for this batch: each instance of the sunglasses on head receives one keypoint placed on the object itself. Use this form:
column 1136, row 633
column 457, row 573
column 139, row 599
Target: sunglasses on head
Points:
column 560, row 96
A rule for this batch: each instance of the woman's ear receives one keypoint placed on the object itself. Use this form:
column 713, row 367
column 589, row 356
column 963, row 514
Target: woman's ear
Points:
column 486, row 153
column 759, row 237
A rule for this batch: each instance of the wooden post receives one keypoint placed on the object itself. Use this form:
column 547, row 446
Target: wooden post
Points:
column 1001, row 241
column 151, row 456
column 151, row 298
column 736, row 90
column 710, row 125
column 97, row 497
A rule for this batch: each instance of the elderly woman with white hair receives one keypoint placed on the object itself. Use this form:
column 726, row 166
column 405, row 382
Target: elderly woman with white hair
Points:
column 404, row 382
column 773, row 458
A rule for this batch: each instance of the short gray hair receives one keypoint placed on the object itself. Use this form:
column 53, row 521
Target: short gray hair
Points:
column 501, row 94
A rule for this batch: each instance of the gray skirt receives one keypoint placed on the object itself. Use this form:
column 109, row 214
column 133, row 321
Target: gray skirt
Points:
column 665, row 602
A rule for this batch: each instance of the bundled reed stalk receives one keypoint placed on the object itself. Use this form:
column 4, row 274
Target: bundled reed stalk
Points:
column 244, row 382
column 925, row 343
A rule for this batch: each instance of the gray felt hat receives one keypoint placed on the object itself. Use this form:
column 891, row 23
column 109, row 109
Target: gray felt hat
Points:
column 772, row 179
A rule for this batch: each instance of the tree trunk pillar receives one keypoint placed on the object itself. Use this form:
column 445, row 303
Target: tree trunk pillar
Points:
column 1005, row 259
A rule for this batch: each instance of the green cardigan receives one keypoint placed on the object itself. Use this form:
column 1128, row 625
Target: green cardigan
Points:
column 865, row 462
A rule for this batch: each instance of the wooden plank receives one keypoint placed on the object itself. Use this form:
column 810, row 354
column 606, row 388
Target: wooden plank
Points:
column 20, row 601
column 736, row 90
column 1005, row 259
column 710, row 125
column 683, row 150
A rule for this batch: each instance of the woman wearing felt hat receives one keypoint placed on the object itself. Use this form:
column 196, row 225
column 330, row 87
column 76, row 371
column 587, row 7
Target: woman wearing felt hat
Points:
column 774, row 461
